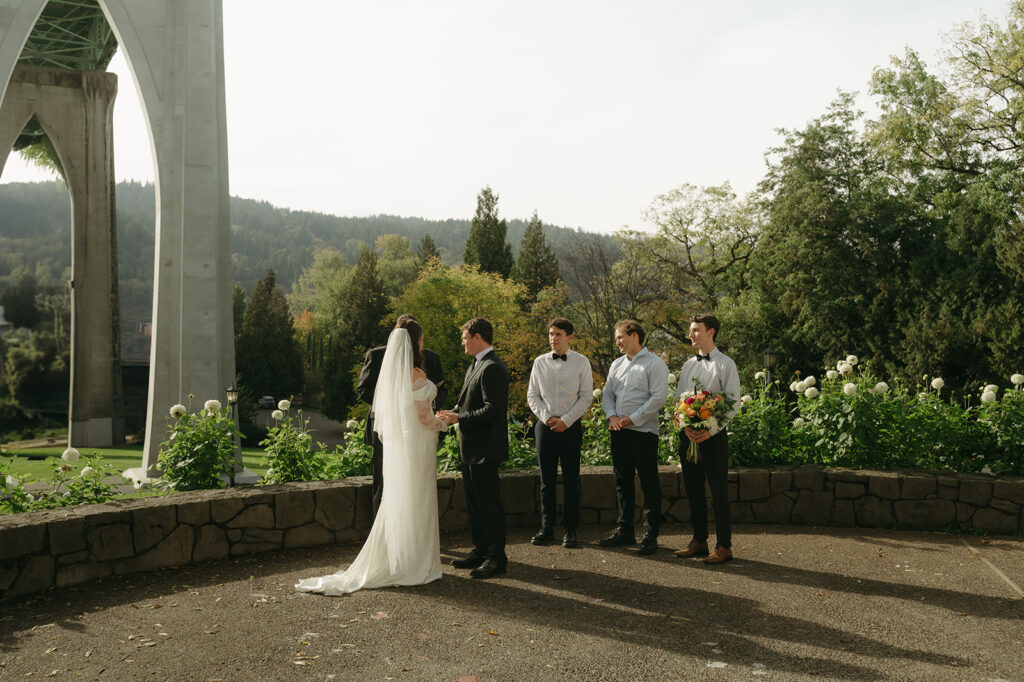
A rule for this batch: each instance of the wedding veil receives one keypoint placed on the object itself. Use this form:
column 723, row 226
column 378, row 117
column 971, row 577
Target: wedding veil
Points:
column 392, row 397
column 395, row 422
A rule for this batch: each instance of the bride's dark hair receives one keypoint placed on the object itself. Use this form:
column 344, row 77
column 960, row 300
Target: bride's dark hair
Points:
column 409, row 324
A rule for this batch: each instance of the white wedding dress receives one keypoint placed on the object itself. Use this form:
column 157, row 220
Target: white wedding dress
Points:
column 403, row 547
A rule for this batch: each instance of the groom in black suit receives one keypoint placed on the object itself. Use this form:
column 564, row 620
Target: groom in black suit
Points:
column 365, row 389
column 482, row 415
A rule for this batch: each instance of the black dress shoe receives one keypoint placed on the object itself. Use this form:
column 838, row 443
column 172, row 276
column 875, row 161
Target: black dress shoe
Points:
column 649, row 545
column 570, row 539
column 543, row 536
column 489, row 568
column 471, row 561
column 618, row 538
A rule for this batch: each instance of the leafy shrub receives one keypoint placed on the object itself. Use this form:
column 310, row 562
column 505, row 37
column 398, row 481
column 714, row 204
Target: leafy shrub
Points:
column 355, row 457
column 200, row 451
column 65, row 489
column 291, row 453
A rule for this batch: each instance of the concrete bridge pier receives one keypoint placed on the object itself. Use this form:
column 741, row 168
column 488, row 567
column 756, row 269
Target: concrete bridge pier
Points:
column 75, row 108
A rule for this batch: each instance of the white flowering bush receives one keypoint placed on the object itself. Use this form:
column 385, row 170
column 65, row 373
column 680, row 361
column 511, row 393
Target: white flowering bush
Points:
column 1004, row 417
column 200, row 450
column 857, row 419
column 14, row 499
column 291, row 452
column 65, row 488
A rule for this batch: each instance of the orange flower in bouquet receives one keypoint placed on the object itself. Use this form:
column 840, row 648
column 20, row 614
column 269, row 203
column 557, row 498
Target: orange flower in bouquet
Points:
column 700, row 409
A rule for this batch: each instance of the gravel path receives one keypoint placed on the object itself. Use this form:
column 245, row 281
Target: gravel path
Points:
column 796, row 604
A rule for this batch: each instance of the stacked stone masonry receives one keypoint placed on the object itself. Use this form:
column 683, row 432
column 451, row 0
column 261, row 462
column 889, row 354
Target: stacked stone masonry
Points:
column 64, row 547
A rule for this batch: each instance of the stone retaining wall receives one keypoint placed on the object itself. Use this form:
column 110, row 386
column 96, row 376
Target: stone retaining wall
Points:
column 71, row 546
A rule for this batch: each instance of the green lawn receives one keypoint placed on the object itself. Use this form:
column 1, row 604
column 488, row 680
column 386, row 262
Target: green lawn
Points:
column 36, row 464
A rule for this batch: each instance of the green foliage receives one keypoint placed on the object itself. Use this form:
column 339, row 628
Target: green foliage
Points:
column 396, row 264
column 855, row 420
column 36, row 373
column 760, row 434
column 698, row 254
column 365, row 305
column 238, row 306
column 267, row 357
column 354, row 457
column 448, row 459
column 19, row 303
column 291, row 453
column 426, row 252
column 200, row 450
column 362, row 312
column 536, row 267
column 486, row 245
column 521, row 451
column 442, row 298
column 65, row 489
column 1004, row 418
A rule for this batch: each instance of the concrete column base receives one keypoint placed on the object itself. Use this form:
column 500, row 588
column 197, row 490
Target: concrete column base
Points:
column 96, row 433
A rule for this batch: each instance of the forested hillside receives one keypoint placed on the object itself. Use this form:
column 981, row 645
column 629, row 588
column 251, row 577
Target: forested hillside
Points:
column 35, row 242
column 34, row 235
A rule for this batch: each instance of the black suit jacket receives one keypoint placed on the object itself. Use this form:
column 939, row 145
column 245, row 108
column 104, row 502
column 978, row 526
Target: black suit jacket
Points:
column 371, row 371
column 483, row 412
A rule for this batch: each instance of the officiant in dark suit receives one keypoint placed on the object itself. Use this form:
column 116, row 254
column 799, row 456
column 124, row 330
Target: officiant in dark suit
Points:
column 481, row 412
column 368, row 383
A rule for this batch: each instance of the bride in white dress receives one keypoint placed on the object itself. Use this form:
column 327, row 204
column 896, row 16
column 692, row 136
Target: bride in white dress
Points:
column 403, row 547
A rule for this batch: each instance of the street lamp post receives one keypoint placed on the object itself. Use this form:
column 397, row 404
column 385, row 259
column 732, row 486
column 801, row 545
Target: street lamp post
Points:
column 232, row 392
column 770, row 356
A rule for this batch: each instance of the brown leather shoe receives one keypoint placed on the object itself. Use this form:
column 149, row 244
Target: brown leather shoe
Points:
column 693, row 549
column 720, row 555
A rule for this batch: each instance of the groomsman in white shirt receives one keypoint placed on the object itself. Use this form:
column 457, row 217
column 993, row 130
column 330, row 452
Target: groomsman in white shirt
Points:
column 561, row 390
column 713, row 371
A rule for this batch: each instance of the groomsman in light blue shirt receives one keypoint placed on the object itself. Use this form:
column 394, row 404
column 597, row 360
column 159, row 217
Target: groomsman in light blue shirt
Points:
column 634, row 394
column 561, row 390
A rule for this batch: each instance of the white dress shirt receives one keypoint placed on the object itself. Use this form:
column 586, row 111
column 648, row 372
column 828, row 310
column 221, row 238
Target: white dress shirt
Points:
column 637, row 388
column 560, row 388
column 718, row 375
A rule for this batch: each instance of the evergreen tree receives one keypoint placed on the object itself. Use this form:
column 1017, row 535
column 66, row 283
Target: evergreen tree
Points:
column 537, row 265
column 237, row 307
column 486, row 245
column 427, row 251
column 267, row 358
column 365, row 303
column 363, row 310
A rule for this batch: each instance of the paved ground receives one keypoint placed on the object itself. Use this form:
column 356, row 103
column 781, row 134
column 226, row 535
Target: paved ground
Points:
column 797, row 604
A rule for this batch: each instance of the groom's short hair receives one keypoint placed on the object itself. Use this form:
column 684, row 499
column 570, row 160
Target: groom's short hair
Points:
column 479, row 326
column 709, row 321
column 563, row 324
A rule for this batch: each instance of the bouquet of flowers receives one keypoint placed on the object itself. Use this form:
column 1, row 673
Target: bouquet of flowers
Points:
column 700, row 409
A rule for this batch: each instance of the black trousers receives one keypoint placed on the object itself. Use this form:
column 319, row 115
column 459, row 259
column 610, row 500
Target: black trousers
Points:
column 485, row 509
column 636, row 451
column 712, row 464
column 552, row 448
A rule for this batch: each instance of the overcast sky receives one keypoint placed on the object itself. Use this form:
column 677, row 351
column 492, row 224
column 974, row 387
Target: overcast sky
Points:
column 583, row 110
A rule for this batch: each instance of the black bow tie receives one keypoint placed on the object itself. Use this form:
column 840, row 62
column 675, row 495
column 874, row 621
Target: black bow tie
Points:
column 703, row 357
column 556, row 356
